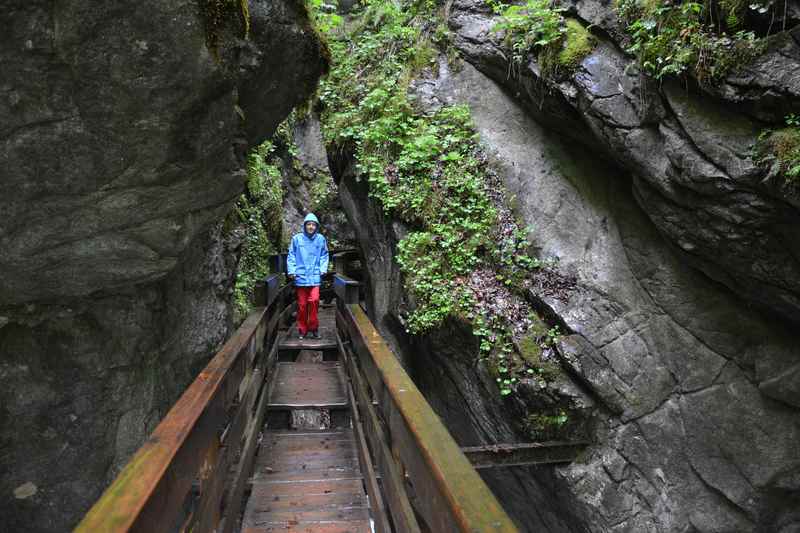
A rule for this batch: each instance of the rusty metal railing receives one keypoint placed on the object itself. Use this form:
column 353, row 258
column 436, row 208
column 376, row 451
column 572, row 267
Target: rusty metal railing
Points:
column 428, row 483
column 176, row 480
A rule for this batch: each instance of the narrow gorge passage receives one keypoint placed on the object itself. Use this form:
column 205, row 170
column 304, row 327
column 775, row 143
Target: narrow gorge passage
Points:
column 575, row 221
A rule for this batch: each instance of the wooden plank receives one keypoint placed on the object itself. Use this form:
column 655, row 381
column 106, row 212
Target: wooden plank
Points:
column 210, row 505
column 308, row 385
column 331, row 527
column 209, row 509
column 312, row 456
column 322, row 434
column 236, row 493
column 301, row 516
column 307, row 481
column 149, row 492
column 391, row 474
column 305, row 500
column 300, row 406
column 346, row 289
column 292, row 444
column 309, row 460
column 449, row 493
column 291, row 342
column 270, row 491
column 380, row 518
column 338, row 469
column 293, row 447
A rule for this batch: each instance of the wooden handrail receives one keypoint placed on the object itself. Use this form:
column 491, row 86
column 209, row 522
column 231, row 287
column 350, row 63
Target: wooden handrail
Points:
column 212, row 430
column 448, row 493
column 149, row 493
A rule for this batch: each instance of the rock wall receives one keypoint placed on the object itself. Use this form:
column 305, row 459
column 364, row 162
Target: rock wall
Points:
column 688, row 155
column 680, row 365
column 696, row 390
column 124, row 128
column 309, row 187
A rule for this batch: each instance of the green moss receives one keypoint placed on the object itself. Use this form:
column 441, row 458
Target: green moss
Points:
column 530, row 350
column 546, row 425
column 539, row 27
column 258, row 212
column 426, row 169
column 782, row 148
column 786, row 143
column 563, row 56
column 535, row 26
column 578, row 43
column 219, row 14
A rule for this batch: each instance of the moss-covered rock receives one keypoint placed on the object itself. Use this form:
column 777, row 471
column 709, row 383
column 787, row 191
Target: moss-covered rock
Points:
column 530, row 350
column 577, row 44
column 786, row 144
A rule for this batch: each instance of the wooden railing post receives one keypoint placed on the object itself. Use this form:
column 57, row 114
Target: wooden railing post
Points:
column 277, row 263
column 150, row 492
column 448, row 494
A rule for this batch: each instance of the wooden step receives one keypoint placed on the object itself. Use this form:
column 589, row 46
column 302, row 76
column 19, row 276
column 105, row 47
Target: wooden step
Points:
column 310, row 516
column 359, row 526
column 326, row 341
column 307, row 481
column 327, row 334
column 308, row 386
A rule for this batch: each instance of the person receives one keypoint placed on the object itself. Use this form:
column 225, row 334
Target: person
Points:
column 306, row 263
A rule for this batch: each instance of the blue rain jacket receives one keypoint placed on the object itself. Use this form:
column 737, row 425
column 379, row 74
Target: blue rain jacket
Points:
column 308, row 256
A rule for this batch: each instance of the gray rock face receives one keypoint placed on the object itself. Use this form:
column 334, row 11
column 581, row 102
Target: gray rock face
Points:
column 85, row 380
column 123, row 142
column 675, row 357
column 121, row 139
column 698, row 395
column 688, row 154
column 309, row 187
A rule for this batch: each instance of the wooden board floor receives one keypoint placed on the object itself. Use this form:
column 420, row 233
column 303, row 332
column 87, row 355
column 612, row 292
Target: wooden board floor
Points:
column 327, row 333
column 307, row 481
column 308, row 385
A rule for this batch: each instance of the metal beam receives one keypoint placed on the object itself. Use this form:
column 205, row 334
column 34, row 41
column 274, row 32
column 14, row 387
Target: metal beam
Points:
column 523, row 454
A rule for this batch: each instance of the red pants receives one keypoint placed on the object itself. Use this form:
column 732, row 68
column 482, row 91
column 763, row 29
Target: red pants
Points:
column 307, row 305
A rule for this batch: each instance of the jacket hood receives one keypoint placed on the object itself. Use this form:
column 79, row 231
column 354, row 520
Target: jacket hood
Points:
column 311, row 217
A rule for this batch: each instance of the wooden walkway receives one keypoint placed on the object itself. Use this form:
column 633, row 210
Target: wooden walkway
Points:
column 324, row 435
column 304, row 480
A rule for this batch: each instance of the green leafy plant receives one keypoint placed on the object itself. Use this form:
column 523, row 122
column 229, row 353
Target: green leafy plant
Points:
column 538, row 27
column 425, row 169
column 535, row 24
column 781, row 148
column 258, row 211
column 324, row 15
column 680, row 38
column 546, row 425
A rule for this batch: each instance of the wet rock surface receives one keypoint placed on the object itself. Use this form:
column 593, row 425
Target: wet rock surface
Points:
column 696, row 389
column 86, row 380
column 123, row 142
column 687, row 153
